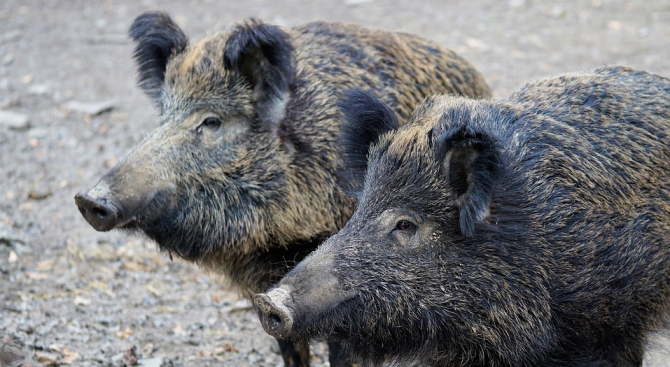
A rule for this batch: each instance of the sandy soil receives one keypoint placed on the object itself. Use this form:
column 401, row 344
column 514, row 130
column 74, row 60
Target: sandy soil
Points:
column 76, row 296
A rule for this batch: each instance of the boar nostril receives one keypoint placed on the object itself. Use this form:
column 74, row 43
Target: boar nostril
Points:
column 98, row 212
column 102, row 214
column 275, row 320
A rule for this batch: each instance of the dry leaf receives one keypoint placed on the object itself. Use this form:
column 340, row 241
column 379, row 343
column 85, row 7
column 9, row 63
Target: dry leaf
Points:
column 26, row 206
column 69, row 356
column 102, row 287
column 124, row 334
column 46, row 358
column 148, row 349
column 36, row 276
column 36, row 195
column 45, row 265
column 111, row 162
column 474, row 42
column 168, row 309
column 153, row 290
column 130, row 357
column 177, row 330
column 225, row 347
column 133, row 266
column 229, row 348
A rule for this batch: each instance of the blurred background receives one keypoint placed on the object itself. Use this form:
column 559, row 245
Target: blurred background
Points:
column 70, row 109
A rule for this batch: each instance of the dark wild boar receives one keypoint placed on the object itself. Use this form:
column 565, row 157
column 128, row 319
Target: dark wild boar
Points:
column 530, row 231
column 240, row 175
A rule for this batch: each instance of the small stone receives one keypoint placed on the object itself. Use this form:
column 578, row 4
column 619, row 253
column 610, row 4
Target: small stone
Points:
column 9, row 237
column 10, row 36
column 357, row 2
column 46, row 358
column 8, row 59
column 90, row 108
column 5, row 84
column 38, row 89
column 614, row 25
column 14, row 120
column 81, row 301
column 27, row 79
column 38, row 133
column 151, row 362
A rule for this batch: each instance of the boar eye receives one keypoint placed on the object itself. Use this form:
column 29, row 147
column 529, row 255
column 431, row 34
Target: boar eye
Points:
column 405, row 226
column 211, row 122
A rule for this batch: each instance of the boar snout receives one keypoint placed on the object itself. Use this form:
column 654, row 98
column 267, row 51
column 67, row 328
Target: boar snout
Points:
column 275, row 316
column 127, row 194
column 98, row 211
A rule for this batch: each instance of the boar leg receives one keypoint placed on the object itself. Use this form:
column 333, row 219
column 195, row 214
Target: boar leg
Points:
column 294, row 355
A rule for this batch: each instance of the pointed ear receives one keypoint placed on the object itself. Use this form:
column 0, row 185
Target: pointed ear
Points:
column 366, row 118
column 263, row 55
column 472, row 162
column 156, row 38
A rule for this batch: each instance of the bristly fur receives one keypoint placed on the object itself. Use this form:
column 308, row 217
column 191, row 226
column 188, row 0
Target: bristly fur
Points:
column 366, row 118
column 157, row 38
column 565, row 256
column 240, row 176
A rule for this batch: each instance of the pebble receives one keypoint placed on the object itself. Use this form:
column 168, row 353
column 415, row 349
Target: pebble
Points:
column 8, row 59
column 9, row 237
column 10, row 36
column 90, row 108
column 150, row 362
column 38, row 89
column 38, row 133
column 357, row 2
column 5, row 84
column 14, row 120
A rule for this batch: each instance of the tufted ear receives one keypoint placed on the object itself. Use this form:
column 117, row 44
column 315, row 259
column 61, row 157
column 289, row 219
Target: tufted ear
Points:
column 471, row 160
column 366, row 118
column 263, row 55
column 157, row 38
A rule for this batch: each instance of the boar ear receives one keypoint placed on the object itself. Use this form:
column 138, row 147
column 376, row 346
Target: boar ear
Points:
column 262, row 54
column 157, row 38
column 366, row 118
column 471, row 161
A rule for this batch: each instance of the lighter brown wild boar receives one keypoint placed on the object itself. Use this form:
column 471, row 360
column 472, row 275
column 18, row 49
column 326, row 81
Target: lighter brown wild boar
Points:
column 239, row 177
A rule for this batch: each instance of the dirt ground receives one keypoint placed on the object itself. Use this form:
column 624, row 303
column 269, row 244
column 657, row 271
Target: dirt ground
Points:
column 76, row 296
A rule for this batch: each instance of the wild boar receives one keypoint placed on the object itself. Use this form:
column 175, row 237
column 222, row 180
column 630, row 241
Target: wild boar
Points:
column 529, row 231
column 240, row 176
